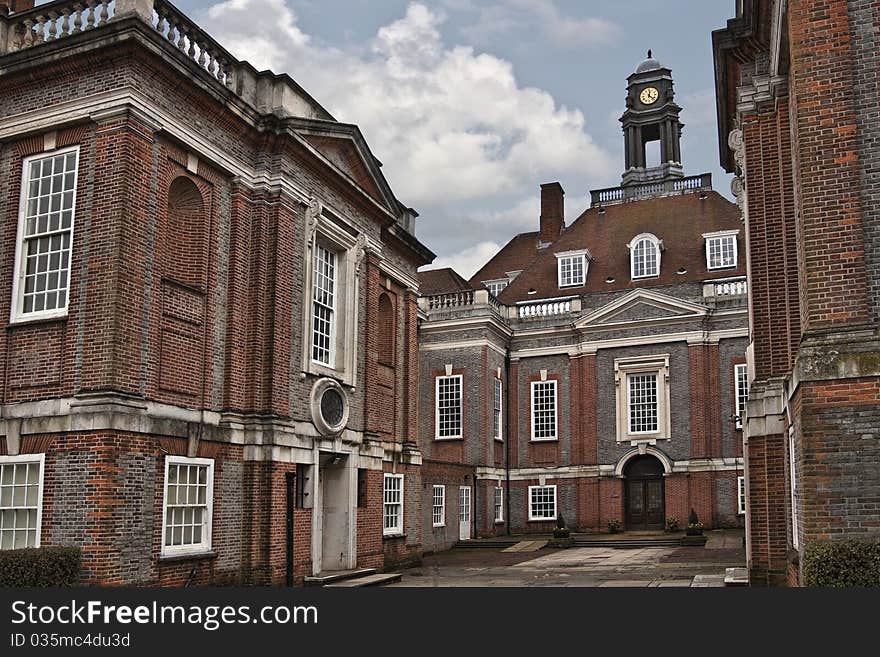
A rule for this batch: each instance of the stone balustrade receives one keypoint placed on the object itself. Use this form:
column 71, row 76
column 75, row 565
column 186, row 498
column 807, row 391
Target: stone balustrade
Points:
column 546, row 308
column 726, row 289
column 54, row 20
column 614, row 195
column 172, row 24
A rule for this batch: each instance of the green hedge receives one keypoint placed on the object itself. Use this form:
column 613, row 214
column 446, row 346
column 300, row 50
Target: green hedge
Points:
column 45, row 566
column 843, row 564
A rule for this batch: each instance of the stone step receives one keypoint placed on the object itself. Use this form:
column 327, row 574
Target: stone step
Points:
column 333, row 576
column 627, row 544
column 367, row 580
column 736, row 577
column 492, row 544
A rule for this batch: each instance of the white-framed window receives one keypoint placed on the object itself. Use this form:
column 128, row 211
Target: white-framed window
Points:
column 438, row 507
column 572, row 267
column 21, row 501
column 497, row 398
column 331, row 268
column 642, row 384
column 792, row 480
column 645, row 256
column 542, row 502
column 643, row 402
column 721, row 252
column 741, row 374
column 496, row 287
column 741, row 495
column 392, row 509
column 187, row 505
column 448, row 407
column 44, row 244
column 324, row 306
column 499, row 504
column 544, row 410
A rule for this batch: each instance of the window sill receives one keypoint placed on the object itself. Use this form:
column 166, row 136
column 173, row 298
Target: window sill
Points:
column 34, row 321
column 438, row 526
column 544, row 440
column 499, row 440
column 392, row 537
column 542, row 520
column 447, row 440
column 188, row 556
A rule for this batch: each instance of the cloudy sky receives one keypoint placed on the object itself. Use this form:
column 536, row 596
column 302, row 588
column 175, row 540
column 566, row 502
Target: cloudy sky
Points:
column 472, row 104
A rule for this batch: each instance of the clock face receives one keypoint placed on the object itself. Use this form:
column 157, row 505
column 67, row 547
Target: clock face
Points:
column 649, row 96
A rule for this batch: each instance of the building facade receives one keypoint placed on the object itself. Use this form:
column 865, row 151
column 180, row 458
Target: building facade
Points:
column 593, row 372
column 798, row 105
column 208, row 311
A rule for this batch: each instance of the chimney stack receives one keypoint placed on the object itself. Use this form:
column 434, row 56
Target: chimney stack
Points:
column 552, row 212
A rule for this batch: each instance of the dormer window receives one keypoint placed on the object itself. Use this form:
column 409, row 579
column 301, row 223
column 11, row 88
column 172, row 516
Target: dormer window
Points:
column 496, row 287
column 721, row 249
column 645, row 256
column 572, row 268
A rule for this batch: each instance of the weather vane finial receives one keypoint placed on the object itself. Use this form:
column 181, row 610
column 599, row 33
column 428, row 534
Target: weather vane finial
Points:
column 649, row 53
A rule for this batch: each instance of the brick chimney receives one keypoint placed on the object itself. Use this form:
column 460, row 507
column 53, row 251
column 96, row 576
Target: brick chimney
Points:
column 552, row 212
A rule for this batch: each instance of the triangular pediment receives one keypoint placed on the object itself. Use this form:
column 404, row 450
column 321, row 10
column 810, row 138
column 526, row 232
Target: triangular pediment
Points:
column 343, row 153
column 641, row 306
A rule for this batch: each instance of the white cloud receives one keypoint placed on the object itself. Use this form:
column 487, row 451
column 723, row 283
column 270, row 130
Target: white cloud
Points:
column 468, row 261
column 450, row 124
column 561, row 30
column 698, row 108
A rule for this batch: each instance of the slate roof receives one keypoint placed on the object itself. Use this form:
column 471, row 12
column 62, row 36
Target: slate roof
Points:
column 441, row 281
column 516, row 255
column 679, row 221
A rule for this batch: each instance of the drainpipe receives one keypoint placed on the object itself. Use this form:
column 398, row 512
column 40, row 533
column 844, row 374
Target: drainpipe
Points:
column 507, row 440
column 290, row 481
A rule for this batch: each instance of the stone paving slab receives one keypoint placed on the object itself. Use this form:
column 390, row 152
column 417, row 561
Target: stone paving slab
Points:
column 708, row 581
column 526, row 546
column 606, row 567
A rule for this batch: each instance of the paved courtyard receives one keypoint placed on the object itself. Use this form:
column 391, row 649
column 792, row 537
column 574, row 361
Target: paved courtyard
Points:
column 583, row 567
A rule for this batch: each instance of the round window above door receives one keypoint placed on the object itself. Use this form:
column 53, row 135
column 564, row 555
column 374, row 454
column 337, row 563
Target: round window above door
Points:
column 329, row 406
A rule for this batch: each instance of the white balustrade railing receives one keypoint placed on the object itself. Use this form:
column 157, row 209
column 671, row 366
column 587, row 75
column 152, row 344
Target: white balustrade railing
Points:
column 450, row 300
column 544, row 309
column 731, row 288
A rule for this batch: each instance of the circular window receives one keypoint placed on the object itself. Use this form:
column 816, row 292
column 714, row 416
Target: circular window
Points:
column 332, row 407
column 329, row 405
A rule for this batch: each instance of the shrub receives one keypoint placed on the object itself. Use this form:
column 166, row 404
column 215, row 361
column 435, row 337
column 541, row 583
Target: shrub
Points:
column 842, row 563
column 672, row 524
column 613, row 526
column 45, row 566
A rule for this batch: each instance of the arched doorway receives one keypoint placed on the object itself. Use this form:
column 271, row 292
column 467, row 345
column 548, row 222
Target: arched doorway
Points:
column 645, row 498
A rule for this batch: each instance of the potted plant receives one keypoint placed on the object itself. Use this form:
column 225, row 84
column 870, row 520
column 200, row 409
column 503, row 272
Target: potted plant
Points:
column 561, row 535
column 694, row 526
column 614, row 526
column 672, row 524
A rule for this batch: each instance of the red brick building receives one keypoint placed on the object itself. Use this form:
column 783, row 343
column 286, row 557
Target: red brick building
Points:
column 593, row 371
column 798, row 103
column 208, row 307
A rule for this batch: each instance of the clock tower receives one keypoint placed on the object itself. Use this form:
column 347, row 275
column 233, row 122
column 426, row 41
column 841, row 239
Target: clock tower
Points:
column 651, row 115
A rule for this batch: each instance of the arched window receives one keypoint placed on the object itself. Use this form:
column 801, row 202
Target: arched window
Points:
column 645, row 256
column 183, row 245
column 387, row 329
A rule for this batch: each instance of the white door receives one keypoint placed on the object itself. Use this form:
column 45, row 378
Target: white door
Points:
column 464, row 513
